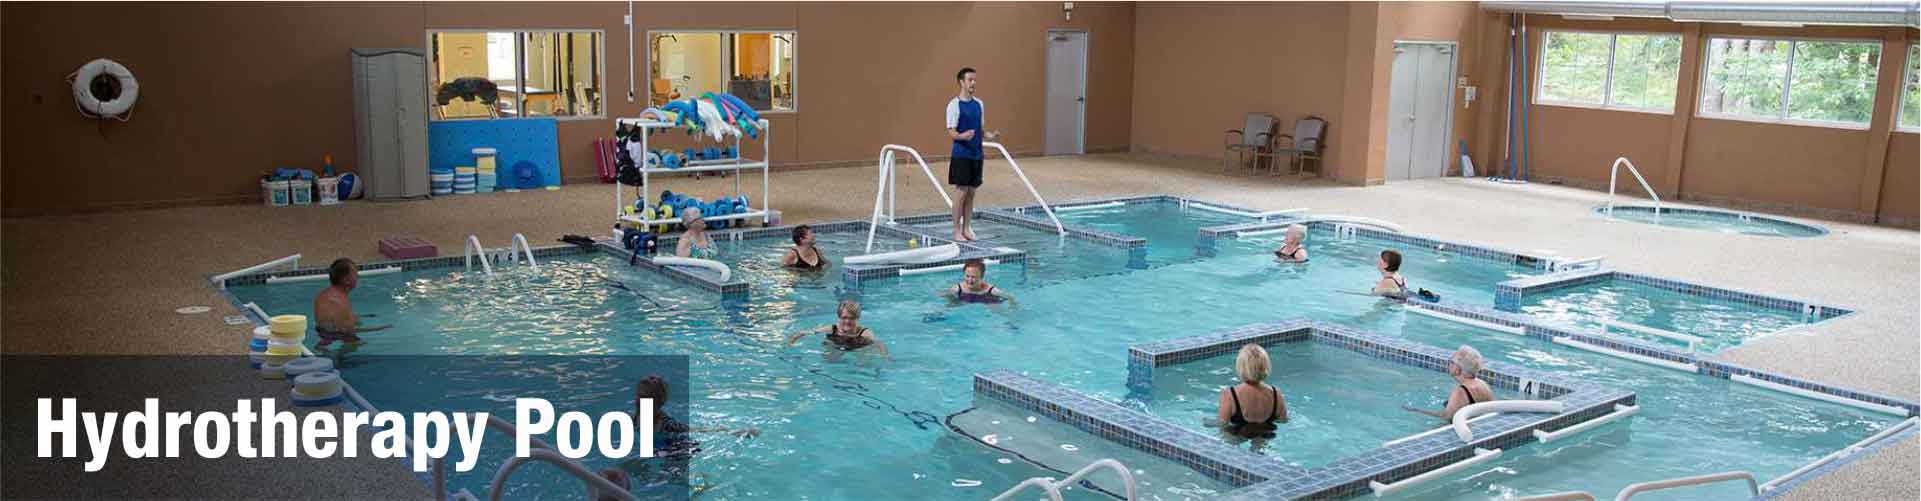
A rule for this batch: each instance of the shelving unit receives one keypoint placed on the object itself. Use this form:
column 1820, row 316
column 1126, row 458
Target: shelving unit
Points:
column 737, row 164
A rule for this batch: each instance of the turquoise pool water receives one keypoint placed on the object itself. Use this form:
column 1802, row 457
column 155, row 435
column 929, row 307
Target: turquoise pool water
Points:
column 1713, row 220
column 1719, row 323
column 820, row 420
column 1328, row 419
column 1171, row 231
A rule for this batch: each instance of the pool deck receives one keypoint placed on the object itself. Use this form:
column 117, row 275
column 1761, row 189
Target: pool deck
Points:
column 76, row 283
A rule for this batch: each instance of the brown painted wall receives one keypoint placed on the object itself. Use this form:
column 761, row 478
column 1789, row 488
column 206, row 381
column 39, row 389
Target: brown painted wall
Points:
column 1901, row 184
column 1812, row 170
column 1199, row 67
column 231, row 90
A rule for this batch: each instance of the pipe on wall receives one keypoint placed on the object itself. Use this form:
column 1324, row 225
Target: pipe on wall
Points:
column 1859, row 13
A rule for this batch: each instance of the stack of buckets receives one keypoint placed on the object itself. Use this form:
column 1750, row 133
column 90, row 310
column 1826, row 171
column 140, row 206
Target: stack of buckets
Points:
column 443, row 182
column 315, row 382
column 465, row 179
column 484, row 179
column 284, row 334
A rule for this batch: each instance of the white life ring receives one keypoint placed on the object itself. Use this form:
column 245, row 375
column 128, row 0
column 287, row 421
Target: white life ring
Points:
column 922, row 255
column 94, row 107
column 717, row 266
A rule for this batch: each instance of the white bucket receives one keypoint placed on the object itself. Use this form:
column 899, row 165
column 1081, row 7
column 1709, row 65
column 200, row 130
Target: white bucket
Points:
column 302, row 191
column 275, row 193
column 329, row 191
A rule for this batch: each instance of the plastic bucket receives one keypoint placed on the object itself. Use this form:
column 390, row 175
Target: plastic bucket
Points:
column 302, row 191
column 329, row 190
column 276, row 193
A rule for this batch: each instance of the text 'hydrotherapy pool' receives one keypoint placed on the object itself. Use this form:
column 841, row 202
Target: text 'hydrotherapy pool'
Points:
column 877, row 426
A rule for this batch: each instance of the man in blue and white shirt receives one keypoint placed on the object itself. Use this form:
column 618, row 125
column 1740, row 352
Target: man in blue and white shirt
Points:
column 964, row 119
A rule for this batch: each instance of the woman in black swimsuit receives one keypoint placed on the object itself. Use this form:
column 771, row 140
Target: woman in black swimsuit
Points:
column 1469, row 388
column 804, row 256
column 1252, row 409
column 846, row 335
column 1294, row 249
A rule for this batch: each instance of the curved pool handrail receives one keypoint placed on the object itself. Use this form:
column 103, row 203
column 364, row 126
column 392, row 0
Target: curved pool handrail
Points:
column 884, row 189
column 1058, row 227
column 1754, row 489
column 1615, row 172
column 1053, row 487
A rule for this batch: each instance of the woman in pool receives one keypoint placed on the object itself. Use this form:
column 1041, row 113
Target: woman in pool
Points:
column 804, row 256
column 694, row 242
column 673, row 445
column 1252, row 409
column 847, row 334
column 1469, row 388
column 1294, row 250
column 973, row 289
column 1392, row 284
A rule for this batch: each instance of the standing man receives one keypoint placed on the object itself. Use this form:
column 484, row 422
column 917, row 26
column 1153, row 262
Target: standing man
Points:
column 964, row 120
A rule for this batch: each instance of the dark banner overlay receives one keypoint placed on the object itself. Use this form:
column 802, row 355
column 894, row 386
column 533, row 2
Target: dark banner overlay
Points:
column 209, row 427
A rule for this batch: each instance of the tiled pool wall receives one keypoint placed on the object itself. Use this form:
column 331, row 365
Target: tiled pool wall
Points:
column 1724, row 214
column 1511, row 295
column 416, row 264
column 1265, row 478
column 1538, row 329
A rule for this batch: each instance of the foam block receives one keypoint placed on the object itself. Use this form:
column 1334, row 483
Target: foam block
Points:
column 407, row 247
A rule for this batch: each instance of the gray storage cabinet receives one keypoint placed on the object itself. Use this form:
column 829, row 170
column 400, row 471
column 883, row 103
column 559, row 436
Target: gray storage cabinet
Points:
column 390, row 121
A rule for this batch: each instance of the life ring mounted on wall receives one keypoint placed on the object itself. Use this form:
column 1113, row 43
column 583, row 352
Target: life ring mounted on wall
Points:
column 104, row 89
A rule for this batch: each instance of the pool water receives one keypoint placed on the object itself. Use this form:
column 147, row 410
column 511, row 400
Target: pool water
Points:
column 1170, row 230
column 1328, row 419
column 1688, row 425
column 1023, row 436
column 1077, row 312
column 1051, row 257
column 1454, row 277
column 1719, row 323
column 1713, row 220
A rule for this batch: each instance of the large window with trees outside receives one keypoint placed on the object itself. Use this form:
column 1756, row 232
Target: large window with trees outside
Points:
column 1910, row 118
column 1610, row 70
column 1825, row 81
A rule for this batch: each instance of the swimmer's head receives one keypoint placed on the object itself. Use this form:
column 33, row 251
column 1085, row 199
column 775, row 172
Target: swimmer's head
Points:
column 1390, row 261
column 973, row 270
column 651, row 387
column 1466, row 363
column 342, row 273
column 692, row 219
column 1296, row 233
column 848, row 314
column 1251, row 365
column 803, row 235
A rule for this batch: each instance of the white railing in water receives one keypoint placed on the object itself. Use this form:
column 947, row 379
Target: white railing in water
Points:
column 474, row 249
column 1480, row 456
column 520, row 244
column 292, row 261
column 1058, row 228
column 1616, row 172
column 1754, row 489
column 884, row 187
column 1053, row 487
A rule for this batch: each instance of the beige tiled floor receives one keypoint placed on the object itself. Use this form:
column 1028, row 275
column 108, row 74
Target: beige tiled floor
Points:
column 108, row 283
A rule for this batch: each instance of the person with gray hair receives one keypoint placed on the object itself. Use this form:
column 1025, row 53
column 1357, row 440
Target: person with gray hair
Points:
column 694, row 242
column 1293, row 250
column 1264, row 407
column 1469, row 388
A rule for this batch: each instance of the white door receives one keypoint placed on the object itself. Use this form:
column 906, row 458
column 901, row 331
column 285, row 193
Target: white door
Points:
column 1066, row 92
column 1419, row 111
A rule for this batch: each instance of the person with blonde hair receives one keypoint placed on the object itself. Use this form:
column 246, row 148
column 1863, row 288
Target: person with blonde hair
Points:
column 1294, row 249
column 1251, row 409
column 847, row 334
column 1465, row 367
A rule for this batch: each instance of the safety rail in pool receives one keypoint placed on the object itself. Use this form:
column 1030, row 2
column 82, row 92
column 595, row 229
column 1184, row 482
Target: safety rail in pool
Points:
column 1053, row 487
column 1398, row 465
column 887, row 187
column 1519, row 295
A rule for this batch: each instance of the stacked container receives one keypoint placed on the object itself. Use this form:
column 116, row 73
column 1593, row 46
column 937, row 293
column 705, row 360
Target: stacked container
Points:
column 465, row 179
column 443, row 182
column 484, row 179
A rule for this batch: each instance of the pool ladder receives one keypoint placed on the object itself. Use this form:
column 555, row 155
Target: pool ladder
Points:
column 1615, row 172
column 1053, row 487
column 473, row 249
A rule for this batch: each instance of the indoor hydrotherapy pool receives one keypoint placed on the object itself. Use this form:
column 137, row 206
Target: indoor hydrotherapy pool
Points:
column 1713, row 220
column 859, row 430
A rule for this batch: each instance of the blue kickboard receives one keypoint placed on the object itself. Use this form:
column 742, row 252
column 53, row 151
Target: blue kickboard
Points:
column 450, row 143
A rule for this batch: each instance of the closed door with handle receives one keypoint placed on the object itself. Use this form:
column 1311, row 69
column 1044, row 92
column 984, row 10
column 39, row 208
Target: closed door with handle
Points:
column 1066, row 92
column 1418, row 94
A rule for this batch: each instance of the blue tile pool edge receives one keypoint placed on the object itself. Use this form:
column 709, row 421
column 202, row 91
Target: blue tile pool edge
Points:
column 1343, row 477
column 1210, row 234
column 415, row 264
